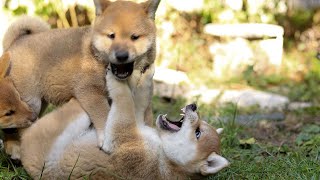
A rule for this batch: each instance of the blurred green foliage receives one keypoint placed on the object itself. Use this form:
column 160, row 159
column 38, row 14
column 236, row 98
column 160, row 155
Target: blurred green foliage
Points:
column 264, row 12
column 61, row 14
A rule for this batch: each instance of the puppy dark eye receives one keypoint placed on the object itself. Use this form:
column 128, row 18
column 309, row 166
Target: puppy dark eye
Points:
column 198, row 133
column 134, row 37
column 111, row 35
column 9, row 113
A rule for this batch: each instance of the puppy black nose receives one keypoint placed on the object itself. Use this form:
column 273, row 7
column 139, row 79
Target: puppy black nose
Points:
column 122, row 56
column 192, row 106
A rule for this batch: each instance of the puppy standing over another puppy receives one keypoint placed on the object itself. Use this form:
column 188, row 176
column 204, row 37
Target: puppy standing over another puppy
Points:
column 57, row 65
column 187, row 148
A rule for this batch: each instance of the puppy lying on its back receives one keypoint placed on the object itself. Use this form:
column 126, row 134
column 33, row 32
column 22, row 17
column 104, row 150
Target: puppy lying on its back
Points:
column 175, row 150
column 60, row 64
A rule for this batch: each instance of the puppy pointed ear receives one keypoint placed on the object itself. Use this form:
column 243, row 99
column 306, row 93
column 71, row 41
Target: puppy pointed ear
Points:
column 214, row 164
column 151, row 7
column 220, row 130
column 4, row 65
column 101, row 5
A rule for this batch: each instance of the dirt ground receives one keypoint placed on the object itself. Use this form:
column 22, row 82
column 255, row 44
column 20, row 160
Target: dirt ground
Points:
column 278, row 133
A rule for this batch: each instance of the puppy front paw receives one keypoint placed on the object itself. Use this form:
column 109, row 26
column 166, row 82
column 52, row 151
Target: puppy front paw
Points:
column 147, row 75
column 12, row 148
column 143, row 92
column 134, row 79
column 107, row 146
column 140, row 79
column 146, row 81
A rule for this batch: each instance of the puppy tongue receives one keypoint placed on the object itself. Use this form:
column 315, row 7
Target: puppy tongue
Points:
column 173, row 126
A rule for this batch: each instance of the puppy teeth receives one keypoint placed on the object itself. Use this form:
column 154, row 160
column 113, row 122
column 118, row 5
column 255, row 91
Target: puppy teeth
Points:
column 183, row 110
column 182, row 118
column 165, row 116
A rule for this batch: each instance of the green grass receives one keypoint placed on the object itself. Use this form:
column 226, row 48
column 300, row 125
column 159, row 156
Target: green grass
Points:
column 11, row 171
column 251, row 165
column 259, row 160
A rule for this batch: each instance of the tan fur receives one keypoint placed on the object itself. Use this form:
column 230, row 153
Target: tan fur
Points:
column 14, row 113
column 57, row 65
column 39, row 143
column 5, row 65
column 139, row 151
column 23, row 26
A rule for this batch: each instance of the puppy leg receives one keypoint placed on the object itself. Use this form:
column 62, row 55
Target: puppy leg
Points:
column 95, row 103
column 12, row 145
column 142, row 89
column 122, row 113
column 148, row 116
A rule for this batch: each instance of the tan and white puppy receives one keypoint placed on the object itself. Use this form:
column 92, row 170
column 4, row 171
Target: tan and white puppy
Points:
column 55, row 65
column 188, row 148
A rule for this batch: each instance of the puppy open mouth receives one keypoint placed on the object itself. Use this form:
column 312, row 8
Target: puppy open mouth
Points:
column 122, row 71
column 172, row 126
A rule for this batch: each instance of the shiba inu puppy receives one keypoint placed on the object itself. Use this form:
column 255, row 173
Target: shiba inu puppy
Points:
column 59, row 64
column 14, row 113
column 182, row 149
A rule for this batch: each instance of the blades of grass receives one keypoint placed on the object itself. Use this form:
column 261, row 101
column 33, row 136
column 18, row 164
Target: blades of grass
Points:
column 73, row 167
column 317, row 156
column 44, row 164
column 12, row 165
column 234, row 115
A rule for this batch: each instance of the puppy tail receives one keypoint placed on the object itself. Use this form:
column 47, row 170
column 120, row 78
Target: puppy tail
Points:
column 24, row 25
